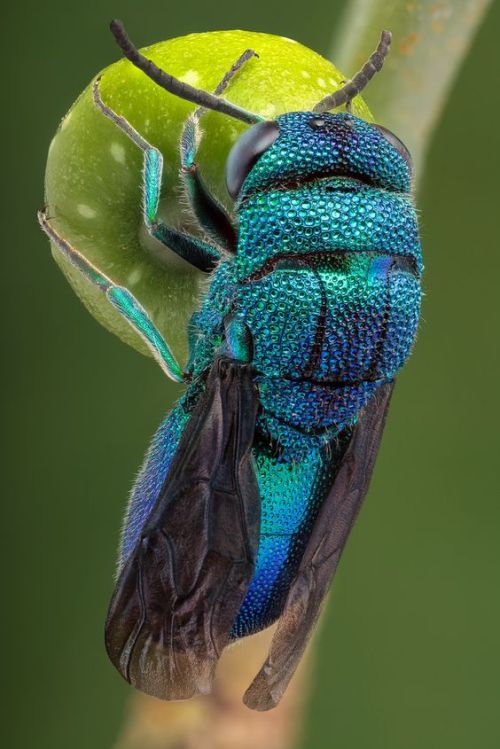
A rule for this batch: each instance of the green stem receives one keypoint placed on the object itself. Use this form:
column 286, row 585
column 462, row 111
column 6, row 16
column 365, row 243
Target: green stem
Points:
column 431, row 39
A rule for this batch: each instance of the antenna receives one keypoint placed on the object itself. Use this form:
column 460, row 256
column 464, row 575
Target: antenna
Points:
column 352, row 88
column 173, row 85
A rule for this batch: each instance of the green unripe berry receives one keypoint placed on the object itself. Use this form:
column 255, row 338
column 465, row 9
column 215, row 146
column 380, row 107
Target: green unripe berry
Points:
column 93, row 178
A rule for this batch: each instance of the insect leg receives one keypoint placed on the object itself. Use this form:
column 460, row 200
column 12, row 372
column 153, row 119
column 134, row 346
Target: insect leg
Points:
column 210, row 214
column 197, row 252
column 126, row 304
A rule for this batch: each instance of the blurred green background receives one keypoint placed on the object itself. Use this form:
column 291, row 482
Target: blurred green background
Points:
column 409, row 649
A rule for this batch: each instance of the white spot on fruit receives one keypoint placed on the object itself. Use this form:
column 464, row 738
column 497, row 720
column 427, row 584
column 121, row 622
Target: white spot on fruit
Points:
column 268, row 110
column 190, row 76
column 322, row 82
column 86, row 211
column 134, row 277
column 117, row 152
column 305, row 74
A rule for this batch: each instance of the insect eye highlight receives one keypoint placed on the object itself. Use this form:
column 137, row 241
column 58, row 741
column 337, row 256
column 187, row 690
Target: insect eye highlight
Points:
column 397, row 144
column 246, row 151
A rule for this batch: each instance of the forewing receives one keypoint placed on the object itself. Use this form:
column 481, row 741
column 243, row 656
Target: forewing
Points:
column 181, row 588
column 321, row 556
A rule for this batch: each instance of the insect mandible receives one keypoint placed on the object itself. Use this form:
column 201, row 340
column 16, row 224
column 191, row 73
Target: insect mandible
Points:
column 252, row 483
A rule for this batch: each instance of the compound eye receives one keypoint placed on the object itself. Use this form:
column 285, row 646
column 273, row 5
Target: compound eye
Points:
column 397, row 144
column 246, row 151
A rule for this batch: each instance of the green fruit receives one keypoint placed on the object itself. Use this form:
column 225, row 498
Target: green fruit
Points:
column 93, row 177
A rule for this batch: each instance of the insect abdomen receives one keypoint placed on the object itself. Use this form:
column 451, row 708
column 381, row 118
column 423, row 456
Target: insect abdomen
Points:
column 291, row 495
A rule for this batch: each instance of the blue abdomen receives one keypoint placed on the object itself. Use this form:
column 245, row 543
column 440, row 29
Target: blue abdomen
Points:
column 291, row 495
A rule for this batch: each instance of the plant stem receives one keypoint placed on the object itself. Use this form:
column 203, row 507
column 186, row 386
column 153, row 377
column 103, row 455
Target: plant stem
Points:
column 220, row 720
column 431, row 38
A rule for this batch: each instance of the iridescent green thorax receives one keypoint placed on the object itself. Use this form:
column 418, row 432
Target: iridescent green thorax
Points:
column 326, row 276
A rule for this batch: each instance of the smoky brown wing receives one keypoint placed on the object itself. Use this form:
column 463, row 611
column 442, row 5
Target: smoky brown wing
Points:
column 179, row 592
column 321, row 556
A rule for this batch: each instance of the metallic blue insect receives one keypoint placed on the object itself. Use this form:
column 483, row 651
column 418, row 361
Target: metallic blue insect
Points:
column 253, row 481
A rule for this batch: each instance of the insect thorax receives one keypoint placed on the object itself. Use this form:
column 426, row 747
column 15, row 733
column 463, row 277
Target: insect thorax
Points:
column 326, row 275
